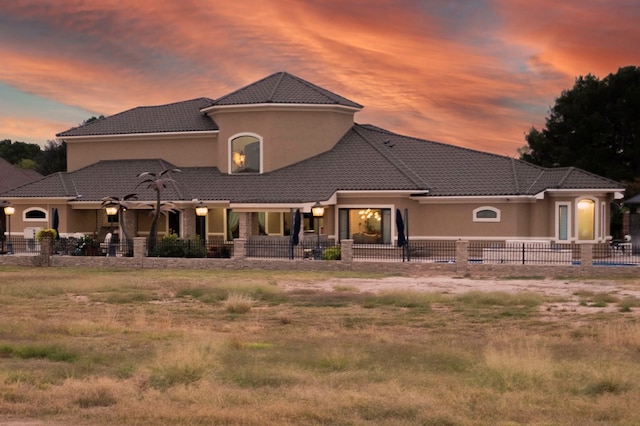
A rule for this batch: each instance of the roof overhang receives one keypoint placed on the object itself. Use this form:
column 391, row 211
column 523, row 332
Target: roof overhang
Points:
column 278, row 107
column 474, row 199
column 378, row 193
column 138, row 136
column 618, row 193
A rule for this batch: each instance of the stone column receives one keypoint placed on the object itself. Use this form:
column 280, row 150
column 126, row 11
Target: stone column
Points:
column 139, row 247
column 46, row 250
column 244, row 225
column 239, row 248
column 346, row 251
column 462, row 257
column 189, row 222
column 586, row 256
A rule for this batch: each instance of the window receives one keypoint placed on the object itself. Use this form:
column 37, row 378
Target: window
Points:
column 562, row 221
column 365, row 225
column 586, row 213
column 245, row 154
column 486, row 214
column 35, row 214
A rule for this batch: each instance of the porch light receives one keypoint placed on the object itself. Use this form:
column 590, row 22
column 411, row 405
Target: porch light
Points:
column 8, row 211
column 111, row 210
column 317, row 209
column 318, row 212
column 201, row 209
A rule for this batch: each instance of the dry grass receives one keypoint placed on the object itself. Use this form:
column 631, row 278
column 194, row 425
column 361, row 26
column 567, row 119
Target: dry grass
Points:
column 223, row 347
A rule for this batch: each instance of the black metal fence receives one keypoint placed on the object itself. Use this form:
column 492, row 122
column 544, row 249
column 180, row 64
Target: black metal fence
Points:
column 414, row 251
column 269, row 247
column 283, row 248
column 192, row 248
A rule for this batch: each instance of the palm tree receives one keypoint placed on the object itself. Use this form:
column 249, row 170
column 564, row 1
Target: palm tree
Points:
column 123, row 204
column 157, row 182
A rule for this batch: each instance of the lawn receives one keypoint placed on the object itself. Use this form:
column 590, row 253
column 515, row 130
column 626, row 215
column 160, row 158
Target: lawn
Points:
column 149, row 347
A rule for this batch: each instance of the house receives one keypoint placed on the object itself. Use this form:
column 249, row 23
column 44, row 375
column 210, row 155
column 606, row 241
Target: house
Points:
column 10, row 177
column 280, row 144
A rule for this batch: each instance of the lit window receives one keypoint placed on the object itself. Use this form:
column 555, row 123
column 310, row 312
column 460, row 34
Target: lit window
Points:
column 586, row 219
column 245, row 154
column 486, row 214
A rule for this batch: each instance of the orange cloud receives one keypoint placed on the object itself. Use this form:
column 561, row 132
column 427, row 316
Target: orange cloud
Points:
column 475, row 74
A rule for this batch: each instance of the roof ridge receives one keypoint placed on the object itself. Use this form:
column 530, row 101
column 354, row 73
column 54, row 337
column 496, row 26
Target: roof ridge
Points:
column 516, row 182
column 396, row 162
column 566, row 175
column 275, row 87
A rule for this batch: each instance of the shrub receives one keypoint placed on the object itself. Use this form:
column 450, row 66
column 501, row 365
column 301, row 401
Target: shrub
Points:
column 46, row 232
column 332, row 253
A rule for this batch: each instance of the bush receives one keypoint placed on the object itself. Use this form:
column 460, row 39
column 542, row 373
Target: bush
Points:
column 46, row 232
column 332, row 253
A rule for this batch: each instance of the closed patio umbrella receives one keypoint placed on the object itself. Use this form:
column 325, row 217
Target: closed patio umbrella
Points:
column 55, row 222
column 402, row 240
column 296, row 228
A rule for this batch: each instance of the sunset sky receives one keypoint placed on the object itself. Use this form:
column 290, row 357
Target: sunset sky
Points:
column 473, row 73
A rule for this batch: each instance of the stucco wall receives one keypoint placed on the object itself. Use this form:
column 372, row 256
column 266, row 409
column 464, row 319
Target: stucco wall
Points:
column 288, row 135
column 181, row 151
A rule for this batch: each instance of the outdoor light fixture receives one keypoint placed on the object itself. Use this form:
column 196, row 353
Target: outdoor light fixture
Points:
column 318, row 211
column 201, row 209
column 8, row 211
column 111, row 210
column 201, row 212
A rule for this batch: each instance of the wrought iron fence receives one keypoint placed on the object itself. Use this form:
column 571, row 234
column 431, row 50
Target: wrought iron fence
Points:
column 269, row 247
column 172, row 246
column 616, row 254
column 414, row 251
column 525, row 253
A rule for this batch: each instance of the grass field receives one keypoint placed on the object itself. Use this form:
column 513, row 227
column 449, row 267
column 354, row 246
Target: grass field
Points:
column 96, row 346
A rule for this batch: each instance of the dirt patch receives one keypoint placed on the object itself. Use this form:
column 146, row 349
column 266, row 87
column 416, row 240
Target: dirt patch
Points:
column 565, row 295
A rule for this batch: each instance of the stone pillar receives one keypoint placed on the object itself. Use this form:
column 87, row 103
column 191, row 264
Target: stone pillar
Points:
column 346, row 251
column 139, row 247
column 586, row 256
column 46, row 250
column 244, row 225
column 189, row 222
column 462, row 257
column 239, row 248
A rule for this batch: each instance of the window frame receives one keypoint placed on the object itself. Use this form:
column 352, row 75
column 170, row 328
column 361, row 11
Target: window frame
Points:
column 35, row 219
column 230, row 151
column 486, row 219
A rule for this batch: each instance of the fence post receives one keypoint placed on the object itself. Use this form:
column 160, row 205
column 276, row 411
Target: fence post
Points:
column 462, row 257
column 239, row 248
column 46, row 249
column 586, row 257
column 139, row 246
column 346, row 251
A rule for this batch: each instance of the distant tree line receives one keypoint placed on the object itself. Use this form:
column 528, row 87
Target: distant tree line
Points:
column 50, row 159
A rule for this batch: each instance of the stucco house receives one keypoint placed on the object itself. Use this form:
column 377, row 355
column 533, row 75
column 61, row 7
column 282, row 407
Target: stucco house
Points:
column 281, row 144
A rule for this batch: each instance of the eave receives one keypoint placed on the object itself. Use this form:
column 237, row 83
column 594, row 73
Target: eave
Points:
column 138, row 136
column 277, row 107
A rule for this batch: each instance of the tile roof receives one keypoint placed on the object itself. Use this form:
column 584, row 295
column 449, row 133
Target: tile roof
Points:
column 283, row 88
column 176, row 117
column 12, row 176
column 367, row 158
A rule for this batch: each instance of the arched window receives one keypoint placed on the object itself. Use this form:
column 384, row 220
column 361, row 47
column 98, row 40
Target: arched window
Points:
column 245, row 154
column 486, row 214
column 34, row 214
column 586, row 219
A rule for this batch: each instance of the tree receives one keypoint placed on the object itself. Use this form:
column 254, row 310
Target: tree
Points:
column 594, row 126
column 157, row 182
column 14, row 152
column 53, row 158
